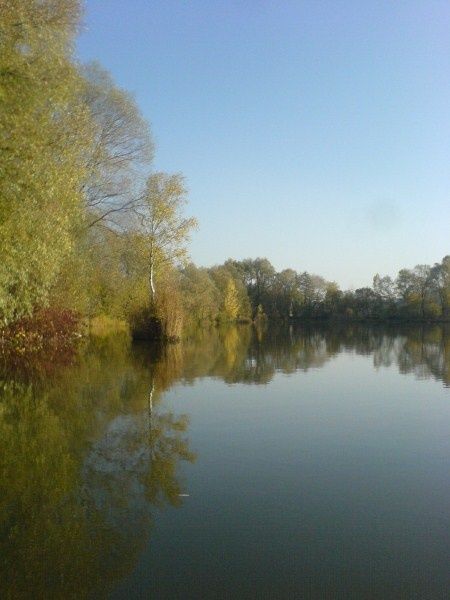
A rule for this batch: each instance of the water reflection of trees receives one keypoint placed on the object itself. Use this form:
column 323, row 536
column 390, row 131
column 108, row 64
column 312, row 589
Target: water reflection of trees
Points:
column 253, row 355
column 87, row 453
column 81, row 466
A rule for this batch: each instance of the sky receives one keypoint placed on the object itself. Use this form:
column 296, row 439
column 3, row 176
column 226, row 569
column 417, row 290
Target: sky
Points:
column 314, row 133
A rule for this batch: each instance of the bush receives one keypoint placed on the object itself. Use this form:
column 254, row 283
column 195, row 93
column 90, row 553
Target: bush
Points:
column 49, row 333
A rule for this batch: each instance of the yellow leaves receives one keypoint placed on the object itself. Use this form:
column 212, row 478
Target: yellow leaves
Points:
column 231, row 301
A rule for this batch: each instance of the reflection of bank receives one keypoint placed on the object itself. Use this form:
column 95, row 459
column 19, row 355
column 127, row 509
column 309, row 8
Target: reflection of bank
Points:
column 80, row 472
column 426, row 353
column 421, row 350
column 252, row 355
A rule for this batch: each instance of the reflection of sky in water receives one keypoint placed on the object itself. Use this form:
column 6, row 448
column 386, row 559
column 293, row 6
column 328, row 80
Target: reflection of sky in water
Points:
column 327, row 481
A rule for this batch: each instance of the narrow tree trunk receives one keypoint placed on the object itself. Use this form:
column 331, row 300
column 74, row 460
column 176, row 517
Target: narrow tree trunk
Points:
column 152, row 275
column 445, row 313
column 152, row 285
column 150, row 405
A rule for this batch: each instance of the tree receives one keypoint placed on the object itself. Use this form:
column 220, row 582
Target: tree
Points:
column 166, row 231
column 122, row 148
column 258, row 275
column 385, row 292
column 332, row 297
column 201, row 297
column 384, row 287
column 414, row 286
column 231, row 301
column 312, row 289
column 236, row 291
column 45, row 131
column 365, row 300
column 286, row 295
column 440, row 284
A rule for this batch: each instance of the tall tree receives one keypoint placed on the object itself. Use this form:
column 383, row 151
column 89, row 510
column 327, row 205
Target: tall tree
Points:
column 45, row 131
column 384, row 287
column 166, row 231
column 414, row 286
column 286, row 293
column 258, row 275
column 440, row 284
column 231, row 301
column 123, row 148
column 313, row 290
column 200, row 295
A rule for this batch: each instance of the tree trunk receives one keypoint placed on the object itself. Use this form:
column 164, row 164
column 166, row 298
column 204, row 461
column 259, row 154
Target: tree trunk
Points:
column 152, row 275
column 152, row 285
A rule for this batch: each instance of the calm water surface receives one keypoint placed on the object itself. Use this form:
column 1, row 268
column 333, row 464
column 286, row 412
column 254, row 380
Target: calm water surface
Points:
column 308, row 462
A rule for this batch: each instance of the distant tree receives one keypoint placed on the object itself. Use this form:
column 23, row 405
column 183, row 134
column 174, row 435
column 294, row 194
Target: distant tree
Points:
column 332, row 298
column 414, row 286
column 231, row 301
column 258, row 276
column 365, row 302
column 235, row 291
column 229, row 269
column 384, row 287
column 386, row 295
column 440, row 284
column 286, row 294
column 312, row 289
column 200, row 294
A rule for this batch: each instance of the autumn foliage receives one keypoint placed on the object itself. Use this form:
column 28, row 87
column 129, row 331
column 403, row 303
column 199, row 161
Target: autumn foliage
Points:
column 48, row 332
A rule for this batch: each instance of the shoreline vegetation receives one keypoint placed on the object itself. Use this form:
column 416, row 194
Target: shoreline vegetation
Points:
column 92, row 239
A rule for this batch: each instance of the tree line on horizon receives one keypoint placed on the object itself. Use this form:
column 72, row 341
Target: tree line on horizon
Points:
column 253, row 289
column 88, row 228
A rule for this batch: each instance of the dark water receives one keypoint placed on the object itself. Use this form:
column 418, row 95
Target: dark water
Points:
column 289, row 463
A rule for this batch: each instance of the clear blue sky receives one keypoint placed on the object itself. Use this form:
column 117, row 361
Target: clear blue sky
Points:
column 314, row 133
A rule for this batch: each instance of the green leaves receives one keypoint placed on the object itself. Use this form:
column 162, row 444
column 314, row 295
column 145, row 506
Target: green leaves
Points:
column 44, row 132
